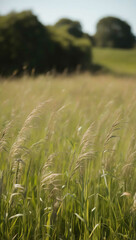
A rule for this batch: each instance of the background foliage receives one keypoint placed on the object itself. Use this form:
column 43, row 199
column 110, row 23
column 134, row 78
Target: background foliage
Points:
column 115, row 33
column 26, row 43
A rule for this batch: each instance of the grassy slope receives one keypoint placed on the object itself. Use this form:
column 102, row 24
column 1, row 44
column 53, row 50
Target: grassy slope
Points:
column 116, row 60
column 93, row 198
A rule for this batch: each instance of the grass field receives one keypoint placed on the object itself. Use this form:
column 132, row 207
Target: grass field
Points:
column 117, row 61
column 68, row 158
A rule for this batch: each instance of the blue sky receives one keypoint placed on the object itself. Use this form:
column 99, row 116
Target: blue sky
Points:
column 88, row 12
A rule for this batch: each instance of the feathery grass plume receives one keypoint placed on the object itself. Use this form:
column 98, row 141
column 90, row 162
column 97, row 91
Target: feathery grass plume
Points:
column 5, row 144
column 5, row 136
column 86, row 152
column 114, row 127
column 37, row 152
column 49, row 162
column 18, row 191
column 49, row 180
column 19, row 152
column 53, row 121
column 109, row 150
column 36, row 147
column 87, row 139
column 50, row 129
column 129, row 164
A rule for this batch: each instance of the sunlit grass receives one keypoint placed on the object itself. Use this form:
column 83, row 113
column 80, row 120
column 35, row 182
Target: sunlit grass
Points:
column 67, row 159
column 116, row 60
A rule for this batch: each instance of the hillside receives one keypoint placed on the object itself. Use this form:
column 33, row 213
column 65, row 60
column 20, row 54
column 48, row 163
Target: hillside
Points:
column 116, row 60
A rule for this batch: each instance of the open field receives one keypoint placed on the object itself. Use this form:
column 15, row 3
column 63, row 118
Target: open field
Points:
column 68, row 158
column 117, row 61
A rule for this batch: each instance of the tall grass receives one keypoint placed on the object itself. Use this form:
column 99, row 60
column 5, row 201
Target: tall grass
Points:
column 68, row 158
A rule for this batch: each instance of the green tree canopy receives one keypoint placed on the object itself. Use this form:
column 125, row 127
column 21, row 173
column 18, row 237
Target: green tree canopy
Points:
column 115, row 33
column 73, row 27
column 24, row 41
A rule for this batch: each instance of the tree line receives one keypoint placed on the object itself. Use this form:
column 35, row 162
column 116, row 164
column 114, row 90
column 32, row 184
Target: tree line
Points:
column 27, row 43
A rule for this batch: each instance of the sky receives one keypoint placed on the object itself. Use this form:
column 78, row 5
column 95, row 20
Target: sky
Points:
column 88, row 12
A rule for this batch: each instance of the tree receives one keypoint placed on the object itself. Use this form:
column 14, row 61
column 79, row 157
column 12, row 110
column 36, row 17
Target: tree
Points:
column 69, row 51
column 115, row 33
column 23, row 41
column 73, row 27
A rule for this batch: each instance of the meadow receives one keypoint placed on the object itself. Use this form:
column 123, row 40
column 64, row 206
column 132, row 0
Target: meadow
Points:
column 68, row 157
column 116, row 61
